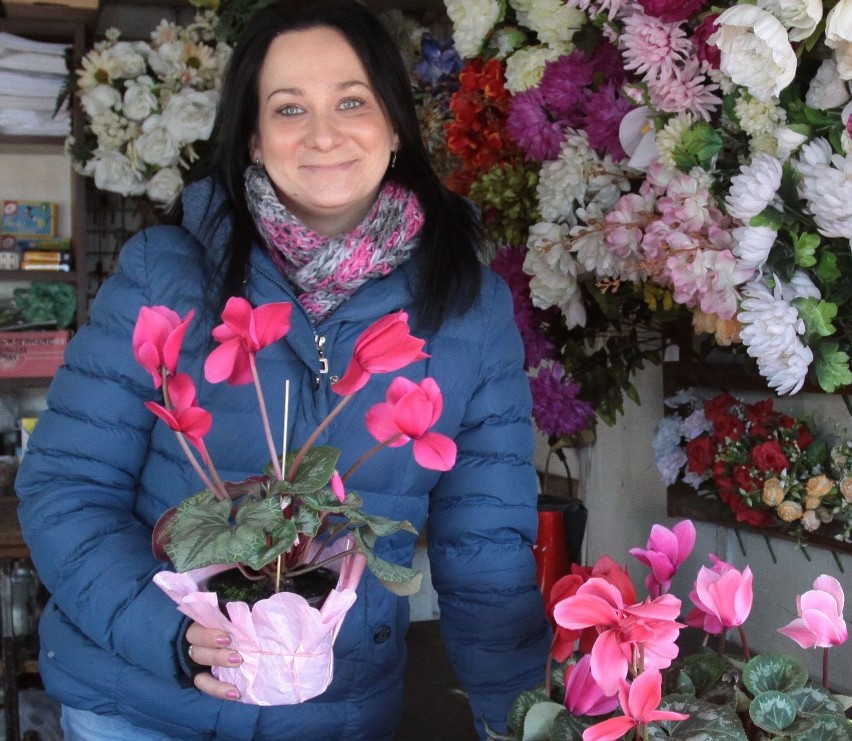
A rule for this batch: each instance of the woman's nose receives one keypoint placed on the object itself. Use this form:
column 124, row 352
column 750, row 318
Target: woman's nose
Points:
column 324, row 132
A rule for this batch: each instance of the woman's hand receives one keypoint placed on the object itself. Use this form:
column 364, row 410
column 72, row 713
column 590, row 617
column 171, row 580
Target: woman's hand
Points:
column 210, row 647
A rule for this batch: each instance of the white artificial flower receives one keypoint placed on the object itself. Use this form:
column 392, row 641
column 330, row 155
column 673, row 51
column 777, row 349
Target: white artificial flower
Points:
column 164, row 186
column 670, row 137
column 563, row 181
column 554, row 21
column 114, row 172
column 167, row 60
column 754, row 188
column 755, row 50
column 130, row 58
column 838, row 36
column 97, row 68
column 787, row 141
column 165, row 32
column 139, row 101
column 638, row 137
column 800, row 286
column 189, row 114
column 472, row 22
column 223, row 57
column 526, row 66
column 826, row 187
column 155, row 145
column 758, row 118
column 827, row 88
column 99, row 99
column 800, row 17
column 771, row 332
column 554, row 272
column 111, row 130
column 753, row 245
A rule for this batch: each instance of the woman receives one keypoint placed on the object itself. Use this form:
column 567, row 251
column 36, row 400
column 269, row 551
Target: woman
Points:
column 316, row 190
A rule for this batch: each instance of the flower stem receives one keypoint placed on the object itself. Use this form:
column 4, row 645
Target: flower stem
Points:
column 547, row 665
column 314, row 566
column 297, row 461
column 825, row 667
column 743, row 640
column 267, row 431
column 371, row 452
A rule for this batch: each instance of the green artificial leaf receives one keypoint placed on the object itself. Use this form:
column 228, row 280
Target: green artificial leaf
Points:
column 813, row 700
column 704, row 670
column 805, row 245
column 314, row 472
column 699, row 145
column 817, row 316
column 826, row 727
column 769, row 671
column 770, row 217
column 539, row 720
column 827, row 270
column 706, row 720
column 773, row 711
column 520, row 708
column 831, row 366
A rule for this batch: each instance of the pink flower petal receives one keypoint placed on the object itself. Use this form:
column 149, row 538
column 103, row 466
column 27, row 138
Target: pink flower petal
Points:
column 379, row 423
column 435, row 451
column 609, row 664
column 609, row 729
column 830, row 585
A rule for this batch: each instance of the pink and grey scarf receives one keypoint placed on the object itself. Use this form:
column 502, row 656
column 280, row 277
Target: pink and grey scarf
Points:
column 328, row 270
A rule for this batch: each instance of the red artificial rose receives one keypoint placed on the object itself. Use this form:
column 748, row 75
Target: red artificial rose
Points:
column 718, row 405
column 728, row 427
column 760, row 412
column 700, row 454
column 743, row 478
column 768, row 457
column 749, row 515
column 805, row 437
column 722, row 476
column 786, row 421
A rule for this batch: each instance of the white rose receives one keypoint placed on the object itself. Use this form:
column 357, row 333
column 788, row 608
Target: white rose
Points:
column 114, row 172
column 838, row 36
column 472, row 22
column 164, row 186
column 787, row 141
column 189, row 115
column 139, row 101
column 127, row 57
column 167, row 60
column 99, row 99
column 156, row 146
column 755, row 50
column 799, row 16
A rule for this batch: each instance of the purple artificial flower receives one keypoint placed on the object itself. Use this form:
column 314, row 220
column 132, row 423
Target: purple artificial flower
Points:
column 672, row 11
column 556, row 409
column 439, row 63
column 608, row 63
column 532, row 128
column 603, row 117
column 709, row 53
column 564, row 86
column 508, row 263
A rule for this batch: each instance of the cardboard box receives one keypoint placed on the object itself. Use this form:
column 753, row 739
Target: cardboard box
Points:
column 28, row 218
column 31, row 354
column 60, row 10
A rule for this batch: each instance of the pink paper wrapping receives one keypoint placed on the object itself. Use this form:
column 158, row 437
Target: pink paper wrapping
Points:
column 286, row 645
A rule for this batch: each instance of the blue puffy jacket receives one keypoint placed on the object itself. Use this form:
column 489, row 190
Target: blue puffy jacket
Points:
column 100, row 469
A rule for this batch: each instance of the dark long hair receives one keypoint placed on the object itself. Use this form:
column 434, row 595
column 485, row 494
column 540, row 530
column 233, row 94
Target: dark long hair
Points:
column 448, row 269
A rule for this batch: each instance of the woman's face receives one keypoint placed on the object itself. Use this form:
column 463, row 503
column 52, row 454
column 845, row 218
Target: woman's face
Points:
column 322, row 134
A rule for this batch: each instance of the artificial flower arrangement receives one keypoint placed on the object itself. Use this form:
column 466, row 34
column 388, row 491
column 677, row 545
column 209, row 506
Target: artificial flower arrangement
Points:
column 148, row 107
column 626, row 680
column 768, row 468
column 697, row 154
column 295, row 517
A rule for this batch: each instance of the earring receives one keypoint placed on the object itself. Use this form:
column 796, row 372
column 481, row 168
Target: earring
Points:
column 258, row 162
column 393, row 159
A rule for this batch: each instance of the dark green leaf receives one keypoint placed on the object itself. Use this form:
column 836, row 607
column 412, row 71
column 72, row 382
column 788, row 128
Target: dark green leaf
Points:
column 831, row 366
column 706, row 720
column 314, row 472
column 773, row 711
column 538, row 722
column 774, row 672
column 826, row 727
column 520, row 708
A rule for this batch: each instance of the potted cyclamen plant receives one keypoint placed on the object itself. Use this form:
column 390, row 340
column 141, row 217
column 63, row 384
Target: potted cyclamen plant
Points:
column 293, row 519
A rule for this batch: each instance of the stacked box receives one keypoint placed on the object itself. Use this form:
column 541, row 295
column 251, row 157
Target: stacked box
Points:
column 31, row 354
column 28, row 219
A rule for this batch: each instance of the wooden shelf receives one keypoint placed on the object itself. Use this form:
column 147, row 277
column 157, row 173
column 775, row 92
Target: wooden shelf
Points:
column 29, row 276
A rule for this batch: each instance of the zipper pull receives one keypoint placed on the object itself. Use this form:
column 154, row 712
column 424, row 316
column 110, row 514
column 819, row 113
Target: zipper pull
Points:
column 323, row 360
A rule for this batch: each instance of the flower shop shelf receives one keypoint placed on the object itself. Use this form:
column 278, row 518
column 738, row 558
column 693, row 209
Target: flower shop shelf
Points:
column 683, row 501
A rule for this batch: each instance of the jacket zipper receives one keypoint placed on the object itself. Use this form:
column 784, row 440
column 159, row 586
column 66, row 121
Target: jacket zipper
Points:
column 319, row 341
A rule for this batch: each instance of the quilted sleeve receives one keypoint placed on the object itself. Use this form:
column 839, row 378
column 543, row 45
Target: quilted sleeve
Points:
column 78, row 482
column 482, row 525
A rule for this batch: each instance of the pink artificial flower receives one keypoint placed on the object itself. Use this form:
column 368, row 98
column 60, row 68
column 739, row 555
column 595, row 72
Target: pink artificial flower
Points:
column 664, row 553
column 386, row 345
column 621, row 629
column 337, row 487
column 583, row 696
column 639, row 701
column 243, row 332
column 184, row 416
column 723, row 597
column 157, row 339
column 407, row 414
column 820, row 622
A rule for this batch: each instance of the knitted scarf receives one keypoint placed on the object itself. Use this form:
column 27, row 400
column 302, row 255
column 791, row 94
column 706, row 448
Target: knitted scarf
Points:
column 328, row 270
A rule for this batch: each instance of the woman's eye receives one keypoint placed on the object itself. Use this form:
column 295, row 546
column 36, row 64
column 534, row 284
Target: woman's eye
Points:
column 351, row 103
column 290, row 110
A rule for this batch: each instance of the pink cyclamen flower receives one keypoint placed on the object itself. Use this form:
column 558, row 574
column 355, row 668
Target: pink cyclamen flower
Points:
column 407, row 414
column 723, row 597
column 639, row 701
column 583, row 696
column 820, row 622
column 622, row 629
column 337, row 487
column 385, row 346
column 157, row 339
column 664, row 553
column 184, row 416
column 243, row 332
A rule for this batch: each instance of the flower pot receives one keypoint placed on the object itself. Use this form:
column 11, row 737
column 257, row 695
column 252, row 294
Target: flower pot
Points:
column 233, row 586
column 286, row 645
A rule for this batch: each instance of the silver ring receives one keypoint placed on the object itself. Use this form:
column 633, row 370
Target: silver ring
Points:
column 189, row 651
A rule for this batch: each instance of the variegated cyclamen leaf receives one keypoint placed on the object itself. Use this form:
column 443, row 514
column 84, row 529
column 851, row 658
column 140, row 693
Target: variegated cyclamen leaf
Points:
column 773, row 711
column 567, row 727
column 774, row 672
column 538, row 722
column 400, row 580
column 314, row 472
column 706, row 720
column 826, row 727
column 704, row 670
column 383, row 526
column 813, row 700
column 521, row 706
